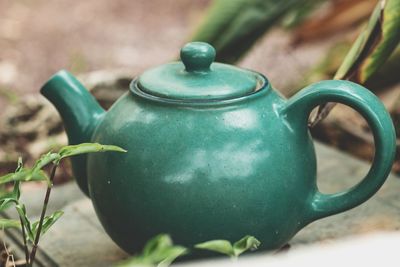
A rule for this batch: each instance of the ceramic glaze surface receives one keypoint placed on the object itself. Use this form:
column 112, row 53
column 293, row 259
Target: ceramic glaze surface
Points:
column 201, row 172
column 203, row 169
column 198, row 78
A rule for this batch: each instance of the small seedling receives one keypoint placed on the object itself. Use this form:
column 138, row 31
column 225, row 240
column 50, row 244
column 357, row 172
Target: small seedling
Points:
column 225, row 247
column 160, row 251
column 32, row 231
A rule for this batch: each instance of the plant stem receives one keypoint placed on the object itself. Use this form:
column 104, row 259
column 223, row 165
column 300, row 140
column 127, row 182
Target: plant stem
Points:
column 25, row 244
column 42, row 215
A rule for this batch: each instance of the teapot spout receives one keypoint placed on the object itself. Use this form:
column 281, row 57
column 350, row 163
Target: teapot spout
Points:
column 80, row 113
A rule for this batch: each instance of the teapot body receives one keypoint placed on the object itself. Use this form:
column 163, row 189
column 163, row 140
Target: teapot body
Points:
column 202, row 171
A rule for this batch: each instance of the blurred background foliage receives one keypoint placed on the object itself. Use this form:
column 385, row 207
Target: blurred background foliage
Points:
column 107, row 43
column 233, row 27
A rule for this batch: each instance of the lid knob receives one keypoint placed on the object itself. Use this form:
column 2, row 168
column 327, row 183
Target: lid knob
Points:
column 197, row 56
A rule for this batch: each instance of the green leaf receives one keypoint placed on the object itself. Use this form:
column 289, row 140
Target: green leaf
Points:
column 297, row 15
column 20, row 165
column 8, row 223
column 12, row 197
column 171, row 254
column 73, row 150
column 370, row 51
column 221, row 246
column 387, row 75
column 48, row 221
column 232, row 27
column 219, row 15
column 159, row 251
column 16, row 193
column 3, row 190
column 246, row 243
column 25, row 221
column 45, row 160
column 225, row 247
column 162, row 258
column 6, row 202
column 36, row 173
column 156, row 244
column 24, row 175
column 374, row 45
column 390, row 38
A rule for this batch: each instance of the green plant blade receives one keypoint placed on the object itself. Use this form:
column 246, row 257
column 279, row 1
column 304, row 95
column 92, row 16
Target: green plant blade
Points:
column 160, row 258
column 297, row 15
column 246, row 243
column 371, row 49
column 24, row 175
column 45, row 160
column 390, row 38
column 232, row 27
column 20, row 165
column 73, row 150
column 48, row 221
column 8, row 223
column 157, row 243
column 387, row 75
column 6, row 202
column 158, row 251
column 374, row 45
column 10, row 197
column 172, row 254
column 25, row 221
column 16, row 193
column 219, row 15
column 354, row 56
column 161, row 249
column 220, row 246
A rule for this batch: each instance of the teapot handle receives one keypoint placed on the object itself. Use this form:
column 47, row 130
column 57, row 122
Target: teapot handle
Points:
column 297, row 111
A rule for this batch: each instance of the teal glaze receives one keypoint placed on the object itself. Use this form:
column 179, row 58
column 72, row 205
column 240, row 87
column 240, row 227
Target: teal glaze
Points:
column 198, row 78
column 203, row 169
column 197, row 57
column 80, row 113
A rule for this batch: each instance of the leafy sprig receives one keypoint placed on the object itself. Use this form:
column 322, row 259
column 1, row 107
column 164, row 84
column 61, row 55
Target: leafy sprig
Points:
column 160, row 251
column 32, row 231
column 233, row 250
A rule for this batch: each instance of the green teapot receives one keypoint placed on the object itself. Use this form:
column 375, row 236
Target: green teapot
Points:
column 214, row 152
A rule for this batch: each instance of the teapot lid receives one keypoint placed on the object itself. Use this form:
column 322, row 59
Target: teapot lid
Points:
column 197, row 77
